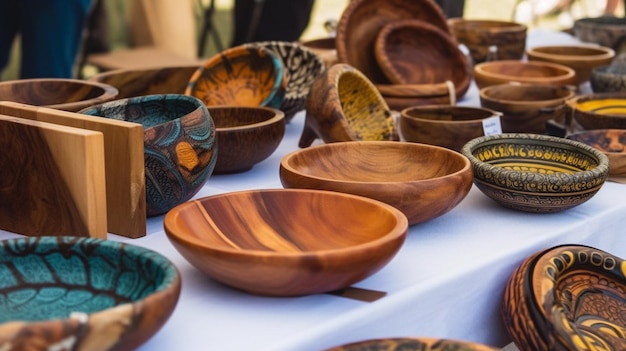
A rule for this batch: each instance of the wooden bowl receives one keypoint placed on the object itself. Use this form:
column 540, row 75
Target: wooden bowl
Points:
column 599, row 111
column 324, row 48
column 362, row 20
column 536, row 173
column 447, row 126
column 423, row 181
column 179, row 144
column 536, row 72
column 608, row 78
column 63, row 94
column 605, row 31
column 302, row 66
column 344, row 105
column 566, row 295
column 87, row 293
column 412, row 344
column 245, row 75
column 611, row 142
column 581, row 58
column 401, row 96
column 284, row 242
column 479, row 36
column 526, row 108
column 416, row 52
column 245, row 135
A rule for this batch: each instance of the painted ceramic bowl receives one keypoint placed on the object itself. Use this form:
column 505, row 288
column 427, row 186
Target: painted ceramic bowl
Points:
column 536, row 72
column 447, row 126
column 344, row 105
column 581, row 58
column 565, row 298
column 599, row 111
column 536, row 173
column 412, row 344
column 82, row 294
column 507, row 38
column 423, row 181
column 245, row 75
column 284, row 242
column 302, row 66
column 179, row 144
column 605, row 31
column 63, row 94
column 245, row 135
column 611, row 142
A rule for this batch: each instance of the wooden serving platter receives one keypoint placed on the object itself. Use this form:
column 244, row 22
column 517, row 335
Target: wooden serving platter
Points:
column 124, row 163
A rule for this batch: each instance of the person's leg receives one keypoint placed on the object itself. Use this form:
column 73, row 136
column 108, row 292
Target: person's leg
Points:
column 9, row 24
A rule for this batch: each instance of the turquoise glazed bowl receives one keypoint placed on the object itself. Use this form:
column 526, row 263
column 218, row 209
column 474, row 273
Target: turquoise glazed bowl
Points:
column 71, row 293
column 179, row 144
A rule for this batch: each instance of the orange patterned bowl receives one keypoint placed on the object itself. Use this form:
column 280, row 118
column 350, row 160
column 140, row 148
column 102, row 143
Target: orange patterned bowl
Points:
column 611, row 142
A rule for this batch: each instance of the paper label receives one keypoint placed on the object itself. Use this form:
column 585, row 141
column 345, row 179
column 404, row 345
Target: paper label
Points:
column 492, row 126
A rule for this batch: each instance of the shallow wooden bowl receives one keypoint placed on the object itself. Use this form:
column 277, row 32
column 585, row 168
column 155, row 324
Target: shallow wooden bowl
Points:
column 536, row 173
column 245, row 75
column 179, row 144
column 447, row 126
column 581, row 58
column 63, row 94
column 611, row 142
column 482, row 35
column 536, row 72
column 605, row 31
column 412, row 344
column 417, row 52
column 362, row 20
column 88, row 294
column 526, row 108
column 599, row 110
column 565, row 298
column 283, row 242
column 245, row 135
column 423, row 181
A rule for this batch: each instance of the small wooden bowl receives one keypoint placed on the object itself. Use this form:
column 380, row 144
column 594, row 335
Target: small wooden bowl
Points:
column 324, row 48
column 285, row 242
column 581, row 58
column 611, row 142
column 599, row 111
column 423, row 181
column 401, row 96
column 245, row 135
column 564, row 294
column 536, row 173
column 606, row 31
column 98, row 294
column 63, row 94
column 412, row 344
column 344, row 105
column 447, row 126
column 416, row 52
column 245, row 75
column 536, row 72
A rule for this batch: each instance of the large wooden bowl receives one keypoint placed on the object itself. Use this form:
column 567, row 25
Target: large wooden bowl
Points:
column 536, row 72
column 611, row 142
column 567, row 298
column 84, row 293
column 285, row 242
column 605, row 31
column 63, row 94
column 599, row 110
column 581, row 58
column 423, row 181
column 412, row 344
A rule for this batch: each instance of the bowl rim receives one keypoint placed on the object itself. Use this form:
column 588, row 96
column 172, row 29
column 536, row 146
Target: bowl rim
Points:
column 483, row 93
column 567, row 72
column 277, row 116
column 494, row 25
column 574, row 101
column 474, row 346
column 601, row 53
column 404, row 113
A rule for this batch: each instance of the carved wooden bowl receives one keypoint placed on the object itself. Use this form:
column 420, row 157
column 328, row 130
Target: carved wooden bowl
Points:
column 536, row 72
column 605, row 31
column 412, row 344
column 447, row 126
column 344, row 105
column 581, row 58
column 611, row 142
column 536, row 173
column 245, row 75
column 82, row 294
column 423, row 181
column 179, row 144
column 63, row 94
column 609, row 78
column 417, row 52
column 324, row 48
column 599, row 111
column 526, row 108
column 567, row 298
column 283, row 242
column 245, row 135
column 401, row 96
column 506, row 37
column 362, row 20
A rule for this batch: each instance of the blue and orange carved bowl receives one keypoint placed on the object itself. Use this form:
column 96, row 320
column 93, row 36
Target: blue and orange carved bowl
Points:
column 180, row 149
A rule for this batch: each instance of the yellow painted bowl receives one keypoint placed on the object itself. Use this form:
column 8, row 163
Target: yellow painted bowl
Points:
column 600, row 111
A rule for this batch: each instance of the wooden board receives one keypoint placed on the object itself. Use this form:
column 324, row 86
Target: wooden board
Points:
column 51, row 179
column 124, row 163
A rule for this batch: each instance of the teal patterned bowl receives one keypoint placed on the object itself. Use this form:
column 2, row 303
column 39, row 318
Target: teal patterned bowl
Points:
column 179, row 144
column 71, row 293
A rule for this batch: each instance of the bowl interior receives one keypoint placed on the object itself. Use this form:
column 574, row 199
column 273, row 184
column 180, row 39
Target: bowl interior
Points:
column 573, row 52
column 525, row 93
column 43, row 92
column 523, row 69
column 242, row 117
column 602, row 106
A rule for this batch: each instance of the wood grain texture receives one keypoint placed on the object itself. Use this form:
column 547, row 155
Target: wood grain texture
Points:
column 124, row 163
column 412, row 344
column 285, row 242
column 422, row 181
column 581, row 58
column 506, row 71
column 52, row 181
column 148, row 81
column 611, row 142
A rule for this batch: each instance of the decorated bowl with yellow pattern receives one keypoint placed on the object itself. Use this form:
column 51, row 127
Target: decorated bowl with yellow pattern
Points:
column 599, row 110
column 535, row 172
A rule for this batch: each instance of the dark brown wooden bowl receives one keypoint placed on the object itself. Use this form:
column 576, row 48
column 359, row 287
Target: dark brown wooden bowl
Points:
column 536, row 72
column 581, row 58
column 605, row 31
column 324, row 48
column 599, row 110
column 611, row 142
column 412, row 344
column 401, row 96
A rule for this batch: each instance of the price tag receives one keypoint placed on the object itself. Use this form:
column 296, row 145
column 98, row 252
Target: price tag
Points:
column 491, row 125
